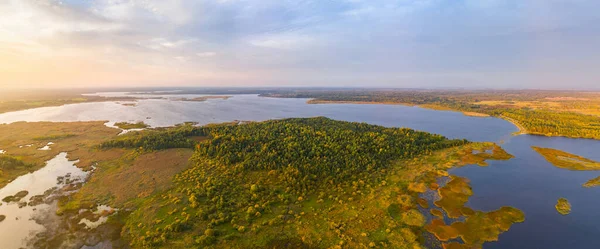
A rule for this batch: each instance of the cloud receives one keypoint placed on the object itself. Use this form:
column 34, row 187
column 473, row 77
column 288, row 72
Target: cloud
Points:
column 288, row 41
column 175, row 12
column 311, row 41
column 162, row 43
column 206, row 54
column 46, row 18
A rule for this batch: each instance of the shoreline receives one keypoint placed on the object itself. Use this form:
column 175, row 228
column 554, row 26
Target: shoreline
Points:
column 316, row 102
column 75, row 100
column 476, row 114
column 522, row 130
column 431, row 107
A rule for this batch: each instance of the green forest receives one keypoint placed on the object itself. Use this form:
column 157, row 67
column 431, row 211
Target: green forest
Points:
column 294, row 183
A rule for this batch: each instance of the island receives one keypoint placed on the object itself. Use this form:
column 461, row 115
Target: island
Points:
column 567, row 160
column 592, row 183
column 563, row 206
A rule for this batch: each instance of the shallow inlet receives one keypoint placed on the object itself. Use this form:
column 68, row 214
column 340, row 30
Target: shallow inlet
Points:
column 19, row 224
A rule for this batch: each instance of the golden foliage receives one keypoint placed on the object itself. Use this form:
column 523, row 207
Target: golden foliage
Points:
column 566, row 160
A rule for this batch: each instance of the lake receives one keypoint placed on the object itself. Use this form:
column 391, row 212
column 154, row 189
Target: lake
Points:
column 527, row 182
column 532, row 184
column 45, row 184
column 165, row 112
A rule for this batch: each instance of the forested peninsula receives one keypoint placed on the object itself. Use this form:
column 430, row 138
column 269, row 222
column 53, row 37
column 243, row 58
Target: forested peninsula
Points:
column 299, row 183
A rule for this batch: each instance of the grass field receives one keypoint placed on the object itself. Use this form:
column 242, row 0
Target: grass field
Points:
column 22, row 142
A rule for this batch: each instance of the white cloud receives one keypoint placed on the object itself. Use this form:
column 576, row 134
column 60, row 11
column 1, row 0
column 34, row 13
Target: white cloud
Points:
column 289, row 41
column 206, row 54
column 34, row 19
column 163, row 43
column 175, row 12
column 374, row 36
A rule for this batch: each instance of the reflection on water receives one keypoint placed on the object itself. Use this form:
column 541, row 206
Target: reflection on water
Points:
column 101, row 216
column 47, row 146
column 42, row 187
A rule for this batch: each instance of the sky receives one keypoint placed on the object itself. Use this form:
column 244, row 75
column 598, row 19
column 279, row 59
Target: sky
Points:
column 309, row 43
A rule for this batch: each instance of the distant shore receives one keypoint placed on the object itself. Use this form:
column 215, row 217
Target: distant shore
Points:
column 476, row 114
column 204, row 98
column 318, row 101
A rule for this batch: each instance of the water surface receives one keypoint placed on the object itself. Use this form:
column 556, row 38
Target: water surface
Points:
column 527, row 182
column 166, row 112
column 20, row 224
column 530, row 183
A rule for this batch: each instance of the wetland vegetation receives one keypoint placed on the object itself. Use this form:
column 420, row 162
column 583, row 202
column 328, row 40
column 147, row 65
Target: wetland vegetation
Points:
column 270, row 184
column 592, row 183
column 563, row 206
column 312, row 183
column 130, row 126
column 267, row 184
column 77, row 138
column 567, row 160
